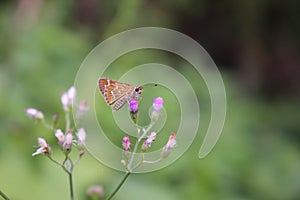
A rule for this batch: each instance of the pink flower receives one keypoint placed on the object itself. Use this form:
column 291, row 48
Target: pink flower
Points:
column 126, row 143
column 68, row 97
column 81, row 135
column 82, row 108
column 95, row 191
column 158, row 104
column 147, row 144
column 60, row 137
column 68, row 141
column 65, row 101
column 72, row 93
column 44, row 147
column 34, row 113
column 169, row 146
column 133, row 106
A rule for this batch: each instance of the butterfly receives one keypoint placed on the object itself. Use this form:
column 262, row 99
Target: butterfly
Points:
column 118, row 94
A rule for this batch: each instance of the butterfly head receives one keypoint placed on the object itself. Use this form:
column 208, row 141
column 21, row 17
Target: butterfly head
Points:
column 138, row 90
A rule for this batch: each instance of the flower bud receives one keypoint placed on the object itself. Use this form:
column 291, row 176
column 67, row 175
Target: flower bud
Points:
column 133, row 108
column 157, row 106
column 126, row 143
column 81, row 135
column 60, row 137
column 55, row 118
column 81, row 153
column 68, row 141
column 67, row 98
column 95, row 192
column 34, row 113
column 65, row 101
column 123, row 162
column 71, row 94
column 82, row 108
column 147, row 144
column 169, row 146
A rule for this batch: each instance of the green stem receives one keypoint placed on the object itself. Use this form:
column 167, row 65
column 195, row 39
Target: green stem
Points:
column 154, row 161
column 71, row 186
column 4, row 195
column 119, row 186
column 68, row 171
column 129, row 166
column 67, row 118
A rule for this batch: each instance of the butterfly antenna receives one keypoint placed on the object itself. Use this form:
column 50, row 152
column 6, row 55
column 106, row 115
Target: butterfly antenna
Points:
column 150, row 85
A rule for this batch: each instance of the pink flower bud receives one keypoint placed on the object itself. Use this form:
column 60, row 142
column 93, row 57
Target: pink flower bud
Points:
column 81, row 153
column 34, row 113
column 65, row 101
column 126, row 143
column 81, row 135
column 169, row 146
column 82, row 108
column 133, row 106
column 60, row 137
column 158, row 104
column 147, row 144
column 55, row 118
column 95, row 192
column 67, row 98
column 68, row 141
column 71, row 94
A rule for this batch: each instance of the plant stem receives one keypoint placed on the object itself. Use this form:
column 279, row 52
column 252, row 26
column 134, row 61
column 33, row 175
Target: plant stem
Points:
column 67, row 118
column 4, row 195
column 119, row 186
column 68, row 171
column 129, row 166
column 71, row 186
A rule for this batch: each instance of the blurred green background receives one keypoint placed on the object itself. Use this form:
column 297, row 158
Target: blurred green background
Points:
column 255, row 44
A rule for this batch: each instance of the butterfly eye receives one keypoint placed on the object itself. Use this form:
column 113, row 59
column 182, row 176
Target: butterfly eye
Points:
column 137, row 89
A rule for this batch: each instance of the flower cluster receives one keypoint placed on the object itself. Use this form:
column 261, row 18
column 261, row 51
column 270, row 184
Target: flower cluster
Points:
column 65, row 139
column 144, row 133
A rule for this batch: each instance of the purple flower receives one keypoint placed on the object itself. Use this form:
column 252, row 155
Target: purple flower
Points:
column 147, row 144
column 126, row 143
column 133, row 106
column 158, row 104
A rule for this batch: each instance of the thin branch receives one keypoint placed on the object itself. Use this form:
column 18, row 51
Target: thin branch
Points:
column 119, row 186
column 4, row 195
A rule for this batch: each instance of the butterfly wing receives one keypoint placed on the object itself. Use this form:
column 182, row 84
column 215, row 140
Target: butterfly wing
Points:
column 120, row 103
column 115, row 92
